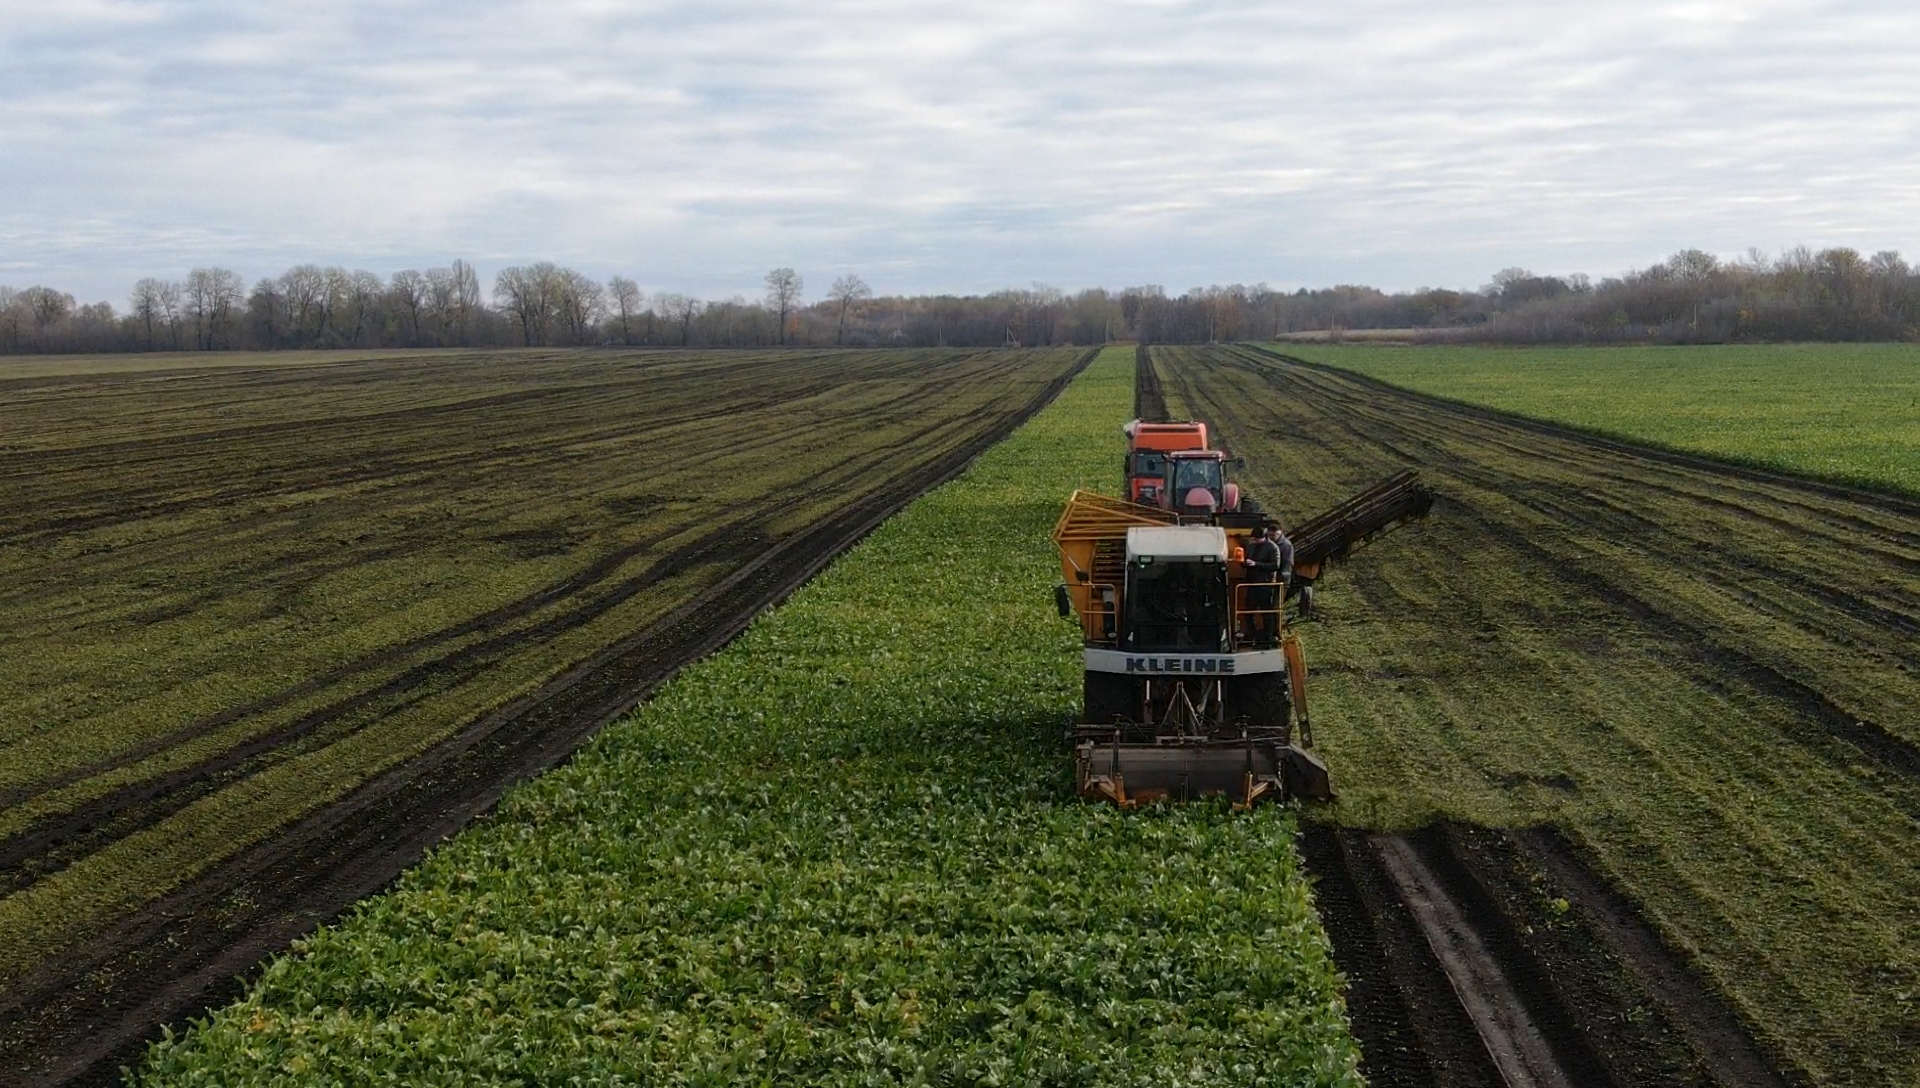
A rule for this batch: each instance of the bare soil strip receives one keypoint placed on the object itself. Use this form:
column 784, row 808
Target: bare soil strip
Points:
column 78, row 1018
column 1149, row 402
column 1516, row 1043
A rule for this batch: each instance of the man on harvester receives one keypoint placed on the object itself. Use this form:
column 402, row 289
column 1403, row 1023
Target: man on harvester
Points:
column 1269, row 559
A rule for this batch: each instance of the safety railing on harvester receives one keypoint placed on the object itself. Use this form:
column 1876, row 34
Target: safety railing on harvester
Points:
column 1257, row 613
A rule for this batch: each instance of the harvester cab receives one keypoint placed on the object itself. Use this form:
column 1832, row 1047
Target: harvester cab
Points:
column 1176, row 591
column 1194, row 683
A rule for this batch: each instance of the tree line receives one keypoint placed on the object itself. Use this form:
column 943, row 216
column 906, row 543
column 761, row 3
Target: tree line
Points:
column 1692, row 297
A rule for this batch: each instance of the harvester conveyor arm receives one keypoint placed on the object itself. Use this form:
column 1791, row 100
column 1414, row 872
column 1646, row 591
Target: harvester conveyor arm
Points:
column 1347, row 527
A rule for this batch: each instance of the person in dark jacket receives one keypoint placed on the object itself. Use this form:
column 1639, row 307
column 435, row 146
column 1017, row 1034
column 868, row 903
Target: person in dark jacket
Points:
column 1269, row 559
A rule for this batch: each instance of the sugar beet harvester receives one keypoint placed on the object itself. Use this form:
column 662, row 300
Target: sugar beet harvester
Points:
column 1195, row 682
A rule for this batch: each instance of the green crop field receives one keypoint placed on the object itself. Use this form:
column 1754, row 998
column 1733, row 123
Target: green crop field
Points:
column 1844, row 412
column 846, row 850
column 1706, row 680
column 232, row 596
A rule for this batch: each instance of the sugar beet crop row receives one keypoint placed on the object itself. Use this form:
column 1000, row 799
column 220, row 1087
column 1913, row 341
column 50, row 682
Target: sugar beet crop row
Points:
column 843, row 851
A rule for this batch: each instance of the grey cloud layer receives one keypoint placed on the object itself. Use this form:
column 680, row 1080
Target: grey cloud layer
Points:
column 940, row 146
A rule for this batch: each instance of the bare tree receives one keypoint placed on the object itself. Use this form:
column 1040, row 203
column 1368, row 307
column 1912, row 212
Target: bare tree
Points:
column 847, row 292
column 783, row 294
column 440, row 302
column 523, row 294
column 304, row 287
column 229, row 294
column 578, row 302
column 46, row 306
column 408, row 292
column 145, row 304
column 624, row 296
column 12, row 313
column 680, row 309
column 212, row 296
column 266, row 313
column 171, row 310
column 363, row 313
column 339, row 307
column 465, row 310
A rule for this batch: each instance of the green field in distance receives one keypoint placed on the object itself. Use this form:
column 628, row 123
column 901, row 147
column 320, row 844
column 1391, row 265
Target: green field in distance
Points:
column 1845, row 412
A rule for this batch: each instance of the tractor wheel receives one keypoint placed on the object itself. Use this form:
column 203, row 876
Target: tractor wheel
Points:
column 1108, row 697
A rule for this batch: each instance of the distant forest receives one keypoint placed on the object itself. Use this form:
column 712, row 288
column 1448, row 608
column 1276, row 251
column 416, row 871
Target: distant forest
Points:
column 1692, row 297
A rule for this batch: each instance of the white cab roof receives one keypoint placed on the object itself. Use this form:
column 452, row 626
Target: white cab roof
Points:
column 1177, row 542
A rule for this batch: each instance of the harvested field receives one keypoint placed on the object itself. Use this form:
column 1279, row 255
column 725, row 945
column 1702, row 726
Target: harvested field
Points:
column 275, row 628
column 844, row 851
column 1843, row 412
column 1687, row 689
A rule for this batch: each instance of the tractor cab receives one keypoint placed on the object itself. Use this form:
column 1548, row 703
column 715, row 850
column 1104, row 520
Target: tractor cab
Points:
column 1196, row 484
column 1176, row 595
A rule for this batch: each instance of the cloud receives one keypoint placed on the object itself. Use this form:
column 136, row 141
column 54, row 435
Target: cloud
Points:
column 948, row 147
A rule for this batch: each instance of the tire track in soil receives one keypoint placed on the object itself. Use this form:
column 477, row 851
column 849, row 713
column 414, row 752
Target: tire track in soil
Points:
column 1795, row 490
column 1604, row 1003
column 78, row 1021
column 1456, row 977
column 1862, row 736
column 1671, row 542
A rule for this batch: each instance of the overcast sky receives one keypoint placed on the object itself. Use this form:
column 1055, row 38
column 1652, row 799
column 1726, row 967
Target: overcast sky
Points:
column 949, row 146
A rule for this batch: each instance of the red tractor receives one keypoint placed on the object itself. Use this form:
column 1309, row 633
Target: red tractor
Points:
column 1169, row 465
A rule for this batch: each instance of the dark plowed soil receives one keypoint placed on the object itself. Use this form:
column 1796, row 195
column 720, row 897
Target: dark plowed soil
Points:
column 1411, row 1029
column 1615, row 1006
column 80, row 1020
column 1149, row 403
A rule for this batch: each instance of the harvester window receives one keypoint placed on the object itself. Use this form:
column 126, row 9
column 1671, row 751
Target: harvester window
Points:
column 1177, row 607
column 1149, row 463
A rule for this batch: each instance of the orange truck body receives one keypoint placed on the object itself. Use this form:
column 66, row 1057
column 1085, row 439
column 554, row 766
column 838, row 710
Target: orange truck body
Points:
column 1145, row 471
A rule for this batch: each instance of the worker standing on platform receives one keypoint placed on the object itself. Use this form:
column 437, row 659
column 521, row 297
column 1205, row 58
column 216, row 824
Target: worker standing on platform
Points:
column 1266, row 561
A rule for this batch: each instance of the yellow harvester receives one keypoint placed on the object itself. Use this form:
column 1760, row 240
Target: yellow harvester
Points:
column 1195, row 682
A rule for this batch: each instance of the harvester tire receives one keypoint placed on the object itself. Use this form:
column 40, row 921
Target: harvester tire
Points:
column 1107, row 698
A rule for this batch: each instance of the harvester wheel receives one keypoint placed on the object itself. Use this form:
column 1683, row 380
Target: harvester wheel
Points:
column 1108, row 697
